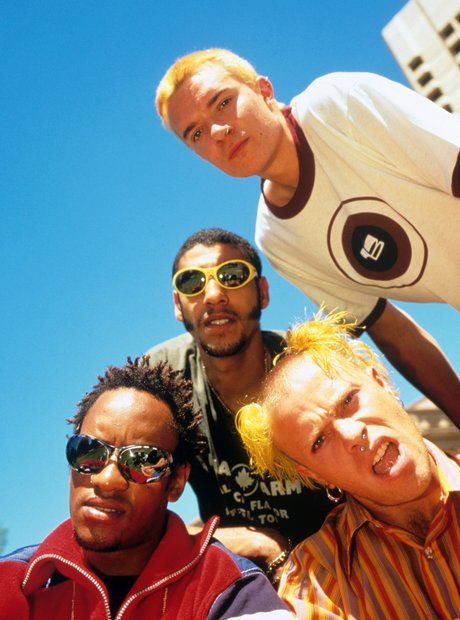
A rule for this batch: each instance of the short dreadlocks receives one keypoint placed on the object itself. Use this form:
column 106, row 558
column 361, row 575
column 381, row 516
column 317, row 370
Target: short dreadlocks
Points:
column 163, row 383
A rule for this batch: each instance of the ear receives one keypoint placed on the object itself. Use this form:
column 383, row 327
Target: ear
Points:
column 264, row 87
column 177, row 480
column 264, row 292
column 177, row 307
column 308, row 473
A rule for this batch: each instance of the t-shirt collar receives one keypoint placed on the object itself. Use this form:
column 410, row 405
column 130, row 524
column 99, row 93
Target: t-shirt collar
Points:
column 306, row 172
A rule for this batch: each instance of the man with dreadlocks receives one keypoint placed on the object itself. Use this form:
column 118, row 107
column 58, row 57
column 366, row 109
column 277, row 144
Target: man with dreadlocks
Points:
column 122, row 553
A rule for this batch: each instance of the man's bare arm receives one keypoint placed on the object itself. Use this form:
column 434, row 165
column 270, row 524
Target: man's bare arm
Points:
column 418, row 357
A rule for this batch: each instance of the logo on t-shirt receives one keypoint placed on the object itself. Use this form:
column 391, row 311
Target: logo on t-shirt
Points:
column 371, row 243
column 247, row 496
column 372, row 248
column 245, row 479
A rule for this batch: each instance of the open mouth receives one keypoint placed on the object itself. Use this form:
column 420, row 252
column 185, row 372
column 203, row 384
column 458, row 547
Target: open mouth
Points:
column 218, row 322
column 385, row 458
column 218, row 319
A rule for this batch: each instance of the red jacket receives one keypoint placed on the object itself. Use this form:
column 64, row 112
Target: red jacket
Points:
column 187, row 577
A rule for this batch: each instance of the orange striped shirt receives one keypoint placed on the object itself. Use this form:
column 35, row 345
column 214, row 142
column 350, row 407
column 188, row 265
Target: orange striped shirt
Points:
column 359, row 567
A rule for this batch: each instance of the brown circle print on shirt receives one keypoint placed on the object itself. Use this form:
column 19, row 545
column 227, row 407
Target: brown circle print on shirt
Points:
column 372, row 244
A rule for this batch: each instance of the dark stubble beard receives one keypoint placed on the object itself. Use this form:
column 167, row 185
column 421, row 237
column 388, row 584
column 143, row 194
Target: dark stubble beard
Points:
column 233, row 348
column 95, row 545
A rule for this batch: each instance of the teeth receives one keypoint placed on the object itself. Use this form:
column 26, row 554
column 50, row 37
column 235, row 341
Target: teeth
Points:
column 106, row 509
column 219, row 321
column 380, row 452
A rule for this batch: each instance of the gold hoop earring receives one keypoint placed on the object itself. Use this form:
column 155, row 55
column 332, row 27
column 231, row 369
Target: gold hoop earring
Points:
column 334, row 498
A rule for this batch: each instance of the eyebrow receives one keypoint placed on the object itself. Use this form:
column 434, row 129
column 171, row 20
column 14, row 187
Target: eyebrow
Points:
column 333, row 409
column 215, row 97
column 209, row 104
column 342, row 395
column 188, row 129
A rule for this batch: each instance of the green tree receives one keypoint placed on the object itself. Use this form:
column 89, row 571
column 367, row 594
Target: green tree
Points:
column 3, row 532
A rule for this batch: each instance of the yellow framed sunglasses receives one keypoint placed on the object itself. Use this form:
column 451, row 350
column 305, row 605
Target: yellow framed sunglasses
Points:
column 231, row 274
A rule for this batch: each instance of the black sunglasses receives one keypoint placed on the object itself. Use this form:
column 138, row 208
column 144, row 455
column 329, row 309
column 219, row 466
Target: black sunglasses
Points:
column 141, row 464
column 231, row 274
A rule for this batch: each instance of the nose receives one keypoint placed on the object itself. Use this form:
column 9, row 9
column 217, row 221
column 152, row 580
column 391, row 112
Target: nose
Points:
column 214, row 293
column 220, row 132
column 353, row 434
column 109, row 479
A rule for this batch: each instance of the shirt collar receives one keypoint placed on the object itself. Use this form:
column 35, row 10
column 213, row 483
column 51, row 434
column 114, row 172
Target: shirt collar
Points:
column 306, row 162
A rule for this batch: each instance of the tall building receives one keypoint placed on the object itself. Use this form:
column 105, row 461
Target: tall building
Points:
column 424, row 37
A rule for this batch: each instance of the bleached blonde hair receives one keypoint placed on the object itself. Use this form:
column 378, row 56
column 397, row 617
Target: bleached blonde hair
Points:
column 326, row 340
column 190, row 64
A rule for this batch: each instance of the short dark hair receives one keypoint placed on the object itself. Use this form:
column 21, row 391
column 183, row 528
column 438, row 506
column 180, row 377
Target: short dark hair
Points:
column 163, row 383
column 212, row 236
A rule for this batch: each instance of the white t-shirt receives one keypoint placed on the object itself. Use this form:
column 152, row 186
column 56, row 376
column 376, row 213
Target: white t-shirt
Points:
column 374, row 214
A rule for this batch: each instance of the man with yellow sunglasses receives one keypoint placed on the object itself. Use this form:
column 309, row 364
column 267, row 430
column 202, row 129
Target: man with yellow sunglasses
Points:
column 219, row 294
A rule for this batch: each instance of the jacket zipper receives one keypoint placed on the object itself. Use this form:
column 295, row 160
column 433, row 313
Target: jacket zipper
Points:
column 77, row 568
column 176, row 573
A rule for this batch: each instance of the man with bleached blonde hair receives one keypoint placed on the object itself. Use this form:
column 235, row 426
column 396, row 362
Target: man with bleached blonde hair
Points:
column 190, row 64
column 330, row 416
column 359, row 196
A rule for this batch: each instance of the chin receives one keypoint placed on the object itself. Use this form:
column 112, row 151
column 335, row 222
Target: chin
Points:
column 244, row 174
column 238, row 173
column 226, row 350
column 241, row 175
column 93, row 543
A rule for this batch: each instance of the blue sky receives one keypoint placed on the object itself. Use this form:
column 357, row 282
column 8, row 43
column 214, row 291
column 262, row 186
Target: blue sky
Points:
column 96, row 197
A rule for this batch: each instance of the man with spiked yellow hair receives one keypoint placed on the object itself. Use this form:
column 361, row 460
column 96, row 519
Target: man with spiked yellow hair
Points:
column 330, row 416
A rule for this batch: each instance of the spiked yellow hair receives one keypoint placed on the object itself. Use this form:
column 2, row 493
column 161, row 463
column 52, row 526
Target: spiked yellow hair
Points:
column 189, row 65
column 253, row 425
column 327, row 342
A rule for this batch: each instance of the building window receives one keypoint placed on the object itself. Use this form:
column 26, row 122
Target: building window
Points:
column 425, row 78
column 446, row 31
column 435, row 94
column 415, row 63
column 448, row 107
column 455, row 49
